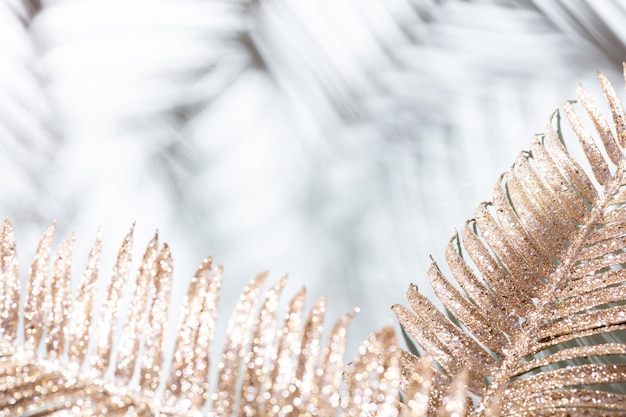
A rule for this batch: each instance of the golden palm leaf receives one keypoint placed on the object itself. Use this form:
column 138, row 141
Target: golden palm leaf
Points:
column 538, row 305
column 539, row 299
column 107, row 355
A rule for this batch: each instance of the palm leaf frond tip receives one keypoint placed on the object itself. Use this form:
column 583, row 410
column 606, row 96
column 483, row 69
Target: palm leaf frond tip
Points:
column 537, row 304
column 90, row 355
column 539, row 283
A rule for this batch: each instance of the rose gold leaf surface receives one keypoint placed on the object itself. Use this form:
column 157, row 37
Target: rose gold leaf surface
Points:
column 60, row 295
column 111, row 305
column 572, row 353
column 478, row 292
column 512, row 228
column 584, row 402
column 310, row 350
column 373, row 378
column 260, row 352
column 9, row 283
column 190, row 367
column 426, row 338
column 617, row 111
column 288, row 346
column 601, row 125
column 572, row 169
column 536, row 222
column 497, row 277
column 151, row 369
column 467, row 312
column 571, row 376
column 509, row 255
column 599, row 166
column 455, row 402
column 83, row 306
column 418, row 384
column 541, row 196
column 129, row 344
column 459, row 343
column 34, row 315
column 559, row 183
column 238, row 335
column 591, row 300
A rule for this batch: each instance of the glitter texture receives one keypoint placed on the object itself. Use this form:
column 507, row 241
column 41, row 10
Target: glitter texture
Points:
column 540, row 266
column 128, row 347
column 83, row 306
column 111, row 307
column 531, row 329
column 58, row 300
column 9, row 283
column 191, row 361
column 37, row 286
column 81, row 357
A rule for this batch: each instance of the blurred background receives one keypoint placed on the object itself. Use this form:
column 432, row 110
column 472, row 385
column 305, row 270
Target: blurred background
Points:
column 338, row 141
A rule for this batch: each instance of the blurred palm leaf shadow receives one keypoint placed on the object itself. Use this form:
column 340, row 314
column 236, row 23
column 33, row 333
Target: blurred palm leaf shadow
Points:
column 339, row 141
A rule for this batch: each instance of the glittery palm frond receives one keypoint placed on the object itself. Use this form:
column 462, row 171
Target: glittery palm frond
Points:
column 537, row 310
column 535, row 319
column 86, row 354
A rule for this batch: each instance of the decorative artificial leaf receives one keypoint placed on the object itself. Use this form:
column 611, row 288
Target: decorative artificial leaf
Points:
column 540, row 284
column 535, row 316
column 82, row 356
